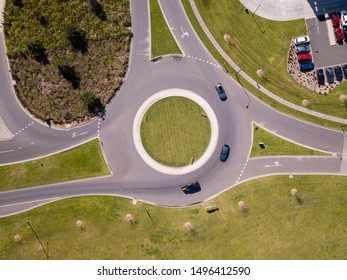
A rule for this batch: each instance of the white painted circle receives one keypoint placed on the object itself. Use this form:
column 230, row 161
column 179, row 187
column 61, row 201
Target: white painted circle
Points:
column 137, row 131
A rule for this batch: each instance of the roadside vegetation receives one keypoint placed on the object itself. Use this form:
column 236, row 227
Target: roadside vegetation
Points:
column 270, row 218
column 254, row 50
column 68, row 58
column 175, row 131
column 84, row 161
column 162, row 41
column 274, row 145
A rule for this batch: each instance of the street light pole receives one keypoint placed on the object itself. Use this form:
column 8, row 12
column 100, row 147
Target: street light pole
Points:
column 238, row 79
column 262, row 31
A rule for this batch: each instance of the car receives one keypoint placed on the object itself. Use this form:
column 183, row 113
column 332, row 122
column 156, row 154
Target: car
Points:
column 191, row 188
column 302, row 49
column 301, row 40
column 224, row 154
column 221, row 92
column 344, row 29
column 338, row 73
column 320, row 76
column 343, row 18
column 335, row 19
column 304, row 57
column 330, row 75
column 306, row 66
column 344, row 70
column 339, row 35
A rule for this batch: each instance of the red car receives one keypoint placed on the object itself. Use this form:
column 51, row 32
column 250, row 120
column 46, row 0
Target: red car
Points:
column 304, row 57
column 335, row 19
column 339, row 35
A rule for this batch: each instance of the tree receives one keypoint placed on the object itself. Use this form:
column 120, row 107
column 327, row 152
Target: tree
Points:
column 17, row 238
column 69, row 73
column 38, row 51
column 18, row 3
column 129, row 218
column 79, row 224
column 189, row 226
column 93, row 103
column 97, row 9
column 296, row 193
column 77, row 38
column 242, row 206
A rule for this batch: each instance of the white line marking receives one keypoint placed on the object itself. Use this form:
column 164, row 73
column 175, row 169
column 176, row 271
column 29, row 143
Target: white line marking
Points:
column 33, row 201
column 8, row 151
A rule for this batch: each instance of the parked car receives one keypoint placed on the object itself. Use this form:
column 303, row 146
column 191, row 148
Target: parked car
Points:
column 304, row 57
column 344, row 29
column 191, row 188
column 343, row 18
column 338, row 73
column 224, row 154
column 302, row 49
column 330, row 75
column 339, row 35
column 221, row 92
column 344, row 69
column 301, row 40
column 306, row 66
column 335, row 19
column 320, row 76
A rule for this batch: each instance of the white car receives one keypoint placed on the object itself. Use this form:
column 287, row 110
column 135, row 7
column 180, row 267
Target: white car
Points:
column 344, row 18
column 301, row 40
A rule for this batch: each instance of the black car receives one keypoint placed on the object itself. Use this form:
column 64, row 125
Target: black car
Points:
column 338, row 73
column 224, row 154
column 344, row 69
column 221, row 92
column 191, row 188
column 330, row 74
column 345, row 32
column 320, row 76
column 302, row 49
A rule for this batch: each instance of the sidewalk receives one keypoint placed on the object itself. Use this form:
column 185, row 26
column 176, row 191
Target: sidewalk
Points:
column 254, row 83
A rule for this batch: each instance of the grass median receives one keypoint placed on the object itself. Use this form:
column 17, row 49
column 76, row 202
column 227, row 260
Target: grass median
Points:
column 175, row 131
column 162, row 41
column 84, row 161
column 272, row 224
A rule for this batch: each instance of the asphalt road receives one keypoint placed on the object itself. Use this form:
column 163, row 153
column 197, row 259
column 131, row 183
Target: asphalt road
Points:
column 131, row 177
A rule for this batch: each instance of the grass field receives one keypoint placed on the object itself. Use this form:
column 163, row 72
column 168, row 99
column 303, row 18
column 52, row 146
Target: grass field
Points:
column 268, row 51
column 276, row 146
column 84, row 161
column 175, row 130
column 162, row 41
column 275, row 226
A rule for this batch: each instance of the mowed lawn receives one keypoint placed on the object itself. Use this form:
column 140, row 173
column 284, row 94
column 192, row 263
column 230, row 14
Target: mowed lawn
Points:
column 162, row 41
column 84, row 161
column 175, row 131
column 277, row 146
column 252, row 49
column 275, row 225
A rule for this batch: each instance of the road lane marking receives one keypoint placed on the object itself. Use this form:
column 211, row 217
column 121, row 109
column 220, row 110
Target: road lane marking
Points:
column 33, row 201
column 275, row 164
column 8, row 151
column 76, row 135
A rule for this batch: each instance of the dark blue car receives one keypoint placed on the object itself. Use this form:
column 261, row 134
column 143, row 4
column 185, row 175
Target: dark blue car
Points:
column 191, row 188
column 306, row 66
column 224, row 154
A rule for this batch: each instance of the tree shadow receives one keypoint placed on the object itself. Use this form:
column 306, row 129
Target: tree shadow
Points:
column 97, row 9
column 70, row 74
column 78, row 39
column 93, row 104
column 38, row 51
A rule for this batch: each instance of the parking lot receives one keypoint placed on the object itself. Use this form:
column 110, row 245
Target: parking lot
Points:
column 324, row 54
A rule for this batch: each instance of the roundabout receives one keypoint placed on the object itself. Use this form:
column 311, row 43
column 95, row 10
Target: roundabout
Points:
column 194, row 164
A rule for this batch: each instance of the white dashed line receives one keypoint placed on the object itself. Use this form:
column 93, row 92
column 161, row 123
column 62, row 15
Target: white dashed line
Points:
column 23, row 128
column 204, row 61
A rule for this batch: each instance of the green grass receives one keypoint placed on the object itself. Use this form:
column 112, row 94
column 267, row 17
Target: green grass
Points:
column 84, row 161
column 276, row 146
column 275, row 226
column 269, row 51
column 175, row 130
column 162, row 41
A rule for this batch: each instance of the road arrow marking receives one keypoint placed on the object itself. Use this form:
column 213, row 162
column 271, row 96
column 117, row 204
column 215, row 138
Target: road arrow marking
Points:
column 184, row 33
column 275, row 164
column 75, row 134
